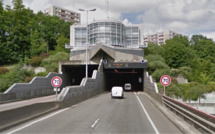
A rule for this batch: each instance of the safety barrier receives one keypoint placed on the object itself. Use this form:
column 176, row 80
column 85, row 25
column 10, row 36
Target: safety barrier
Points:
column 205, row 123
column 16, row 116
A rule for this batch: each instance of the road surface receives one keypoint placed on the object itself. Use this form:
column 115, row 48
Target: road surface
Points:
column 101, row 114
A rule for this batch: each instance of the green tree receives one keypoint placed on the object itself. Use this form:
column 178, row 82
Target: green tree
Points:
column 154, row 57
column 155, row 62
column 203, row 78
column 196, row 92
column 174, row 91
column 1, row 7
column 153, row 49
column 204, row 47
column 210, row 86
column 177, row 54
column 49, row 28
column 65, row 29
column 200, row 66
column 38, row 45
column 182, row 39
column 61, row 44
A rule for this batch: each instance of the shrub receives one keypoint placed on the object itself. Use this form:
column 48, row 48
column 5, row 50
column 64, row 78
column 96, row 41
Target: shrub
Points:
column 51, row 63
column 16, row 75
column 28, row 79
column 185, row 71
column 3, row 70
column 210, row 86
column 44, row 55
column 5, row 84
column 42, row 74
column 160, row 72
column 35, row 61
column 155, row 57
column 174, row 80
column 174, row 72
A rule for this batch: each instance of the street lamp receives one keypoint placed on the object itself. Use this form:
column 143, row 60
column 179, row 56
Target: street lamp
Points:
column 87, row 39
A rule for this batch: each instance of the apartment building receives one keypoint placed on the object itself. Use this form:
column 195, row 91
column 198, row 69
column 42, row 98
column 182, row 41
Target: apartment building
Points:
column 64, row 14
column 159, row 37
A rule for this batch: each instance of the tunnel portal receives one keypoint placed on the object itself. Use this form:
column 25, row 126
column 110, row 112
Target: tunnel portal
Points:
column 117, row 74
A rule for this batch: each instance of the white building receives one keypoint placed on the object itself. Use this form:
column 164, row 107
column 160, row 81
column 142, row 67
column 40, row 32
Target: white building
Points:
column 64, row 14
column 108, row 31
column 160, row 37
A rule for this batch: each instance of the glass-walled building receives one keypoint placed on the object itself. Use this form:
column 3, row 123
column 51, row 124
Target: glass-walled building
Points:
column 107, row 32
column 133, row 37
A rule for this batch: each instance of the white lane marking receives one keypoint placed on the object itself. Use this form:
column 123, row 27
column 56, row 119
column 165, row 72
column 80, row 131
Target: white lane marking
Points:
column 147, row 115
column 37, row 121
column 95, row 123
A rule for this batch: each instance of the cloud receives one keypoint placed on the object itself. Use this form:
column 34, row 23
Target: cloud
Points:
column 126, row 22
column 210, row 35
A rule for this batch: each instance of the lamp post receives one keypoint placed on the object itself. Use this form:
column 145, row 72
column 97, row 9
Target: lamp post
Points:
column 87, row 39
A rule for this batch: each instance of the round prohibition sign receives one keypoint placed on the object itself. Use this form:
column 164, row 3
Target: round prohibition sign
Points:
column 165, row 80
column 56, row 81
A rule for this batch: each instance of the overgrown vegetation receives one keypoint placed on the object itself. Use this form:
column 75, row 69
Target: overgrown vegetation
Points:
column 194, row 60
column 32, row 39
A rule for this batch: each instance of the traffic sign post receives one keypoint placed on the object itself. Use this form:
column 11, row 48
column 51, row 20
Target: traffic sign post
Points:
column 165, row 80
column 56, row 82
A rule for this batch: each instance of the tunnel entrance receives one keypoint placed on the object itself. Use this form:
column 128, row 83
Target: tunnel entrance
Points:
column 117, row 74
column 75, row 73
column 118, row 77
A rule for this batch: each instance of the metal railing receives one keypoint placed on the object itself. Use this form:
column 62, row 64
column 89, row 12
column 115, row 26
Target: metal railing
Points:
column 205, row 123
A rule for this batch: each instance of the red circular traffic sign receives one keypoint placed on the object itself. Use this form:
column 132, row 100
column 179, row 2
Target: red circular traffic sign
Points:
column 165, row 80
column 56, row 81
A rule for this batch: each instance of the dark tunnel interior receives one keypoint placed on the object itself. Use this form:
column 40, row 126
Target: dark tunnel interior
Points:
column 75, row 73
column 118, row 77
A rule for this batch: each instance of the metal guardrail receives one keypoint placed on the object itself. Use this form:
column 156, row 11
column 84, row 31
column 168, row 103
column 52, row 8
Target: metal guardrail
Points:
column 205, row 123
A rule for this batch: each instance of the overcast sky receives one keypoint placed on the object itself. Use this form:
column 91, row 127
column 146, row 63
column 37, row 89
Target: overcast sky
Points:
column 182, row 16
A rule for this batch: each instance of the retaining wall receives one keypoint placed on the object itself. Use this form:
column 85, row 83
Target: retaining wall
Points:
column 39, row 86
column 150, row 88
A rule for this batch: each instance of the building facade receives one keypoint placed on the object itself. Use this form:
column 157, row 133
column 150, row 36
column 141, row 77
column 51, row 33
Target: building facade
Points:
column 64, row 14
column 109, row 32
column 160, row 37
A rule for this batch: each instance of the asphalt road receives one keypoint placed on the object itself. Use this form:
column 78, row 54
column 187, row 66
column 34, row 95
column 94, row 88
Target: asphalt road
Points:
column 101, row 114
